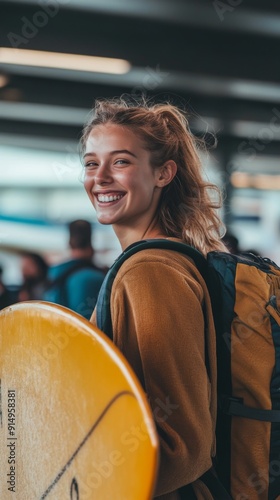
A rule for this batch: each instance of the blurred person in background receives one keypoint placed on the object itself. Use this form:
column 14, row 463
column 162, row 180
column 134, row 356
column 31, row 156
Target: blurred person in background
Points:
column 231, row 242
column 4, row 293
column 34, row 271
column 75, row 283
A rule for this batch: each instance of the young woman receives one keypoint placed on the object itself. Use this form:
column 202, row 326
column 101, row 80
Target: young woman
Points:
column 143, row 176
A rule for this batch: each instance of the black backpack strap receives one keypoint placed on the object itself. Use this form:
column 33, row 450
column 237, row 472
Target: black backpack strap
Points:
column 235, row 407
column 103, row 311
column 274, row 489
column 212, row 482
column 187, row 493
column 214, row 485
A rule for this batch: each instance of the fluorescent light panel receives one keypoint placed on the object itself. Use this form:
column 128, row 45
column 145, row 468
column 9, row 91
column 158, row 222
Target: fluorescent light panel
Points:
column 60, row 60
column 43, row 113
column 23, row 167
column 242, row 180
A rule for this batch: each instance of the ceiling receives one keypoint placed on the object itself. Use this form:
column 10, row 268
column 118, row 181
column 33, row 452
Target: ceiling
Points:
column 218, row 59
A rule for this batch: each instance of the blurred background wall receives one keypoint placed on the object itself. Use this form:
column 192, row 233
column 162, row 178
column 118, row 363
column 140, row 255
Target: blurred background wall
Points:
column 217, row 59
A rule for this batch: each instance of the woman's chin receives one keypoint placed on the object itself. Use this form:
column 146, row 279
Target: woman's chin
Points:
column 102, row 219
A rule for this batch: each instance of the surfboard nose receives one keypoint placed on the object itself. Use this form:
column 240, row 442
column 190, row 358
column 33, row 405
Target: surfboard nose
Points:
column 74, row 420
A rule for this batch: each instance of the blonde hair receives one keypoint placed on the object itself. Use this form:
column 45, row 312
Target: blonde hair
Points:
column 186, row 209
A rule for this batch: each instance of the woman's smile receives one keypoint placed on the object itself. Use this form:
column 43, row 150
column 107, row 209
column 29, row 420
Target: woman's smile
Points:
column 119, row 178
column 108, row 197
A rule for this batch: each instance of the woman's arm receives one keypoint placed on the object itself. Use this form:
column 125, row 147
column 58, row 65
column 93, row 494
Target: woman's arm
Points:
column 158, row 324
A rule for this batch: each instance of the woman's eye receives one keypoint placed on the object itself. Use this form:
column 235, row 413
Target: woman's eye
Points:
column 122, row 162
column 90, row 164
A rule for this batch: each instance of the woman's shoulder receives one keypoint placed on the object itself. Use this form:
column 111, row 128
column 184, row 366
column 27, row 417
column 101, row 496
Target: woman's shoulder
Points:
column 153, row 269
column 163, row 260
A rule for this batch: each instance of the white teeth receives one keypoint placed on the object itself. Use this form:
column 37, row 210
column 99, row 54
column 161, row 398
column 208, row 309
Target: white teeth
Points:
column 104, row 198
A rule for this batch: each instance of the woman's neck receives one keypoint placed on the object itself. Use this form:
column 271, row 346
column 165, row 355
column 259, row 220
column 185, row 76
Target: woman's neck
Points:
column 127, row 237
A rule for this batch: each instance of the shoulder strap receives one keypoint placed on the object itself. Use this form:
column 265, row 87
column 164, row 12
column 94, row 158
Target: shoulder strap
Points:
column 103, row 312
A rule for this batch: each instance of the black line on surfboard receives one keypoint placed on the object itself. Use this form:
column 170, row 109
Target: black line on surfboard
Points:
column 74, row 490
column 60, row 474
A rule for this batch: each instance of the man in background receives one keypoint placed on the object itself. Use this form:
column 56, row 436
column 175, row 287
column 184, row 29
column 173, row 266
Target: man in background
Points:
column 34, row 270
column 75, row 283
column 4, row 294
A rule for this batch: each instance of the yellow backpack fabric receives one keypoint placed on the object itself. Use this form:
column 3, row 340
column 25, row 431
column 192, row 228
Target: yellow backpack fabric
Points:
column 246, row 306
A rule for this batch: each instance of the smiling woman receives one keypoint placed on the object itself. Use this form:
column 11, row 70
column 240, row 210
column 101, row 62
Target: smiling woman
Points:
column 121, row 184
column 143, row 176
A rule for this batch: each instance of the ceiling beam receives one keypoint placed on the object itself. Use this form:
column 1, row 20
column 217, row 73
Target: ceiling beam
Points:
column 141, row 80
column 214, row 15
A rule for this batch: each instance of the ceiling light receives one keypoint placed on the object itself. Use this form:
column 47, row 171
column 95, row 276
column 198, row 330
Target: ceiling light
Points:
column 60, row 60
column 260, row 181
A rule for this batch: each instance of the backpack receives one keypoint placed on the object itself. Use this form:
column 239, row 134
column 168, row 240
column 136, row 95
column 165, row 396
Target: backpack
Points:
column 245, row 296
column 58, row 284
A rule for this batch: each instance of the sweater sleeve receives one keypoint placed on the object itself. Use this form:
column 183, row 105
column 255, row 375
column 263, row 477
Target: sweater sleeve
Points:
column 158, row 324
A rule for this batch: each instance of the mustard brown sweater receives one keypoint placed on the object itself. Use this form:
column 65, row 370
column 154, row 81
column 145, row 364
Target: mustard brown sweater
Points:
column 158, row 323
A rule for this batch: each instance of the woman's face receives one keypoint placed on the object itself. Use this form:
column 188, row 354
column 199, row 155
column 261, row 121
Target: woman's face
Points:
column 119, row 179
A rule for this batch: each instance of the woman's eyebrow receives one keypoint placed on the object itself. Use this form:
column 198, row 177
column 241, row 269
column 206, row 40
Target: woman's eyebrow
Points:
column 117, row 151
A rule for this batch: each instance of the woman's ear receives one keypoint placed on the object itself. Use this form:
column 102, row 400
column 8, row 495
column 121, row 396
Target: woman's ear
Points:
column 166, row 173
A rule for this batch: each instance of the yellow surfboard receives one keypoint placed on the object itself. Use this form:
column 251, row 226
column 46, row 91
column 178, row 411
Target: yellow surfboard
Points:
column 74, row 420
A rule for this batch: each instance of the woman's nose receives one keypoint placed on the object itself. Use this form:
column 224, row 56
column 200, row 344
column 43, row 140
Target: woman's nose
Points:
column 103, row 174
